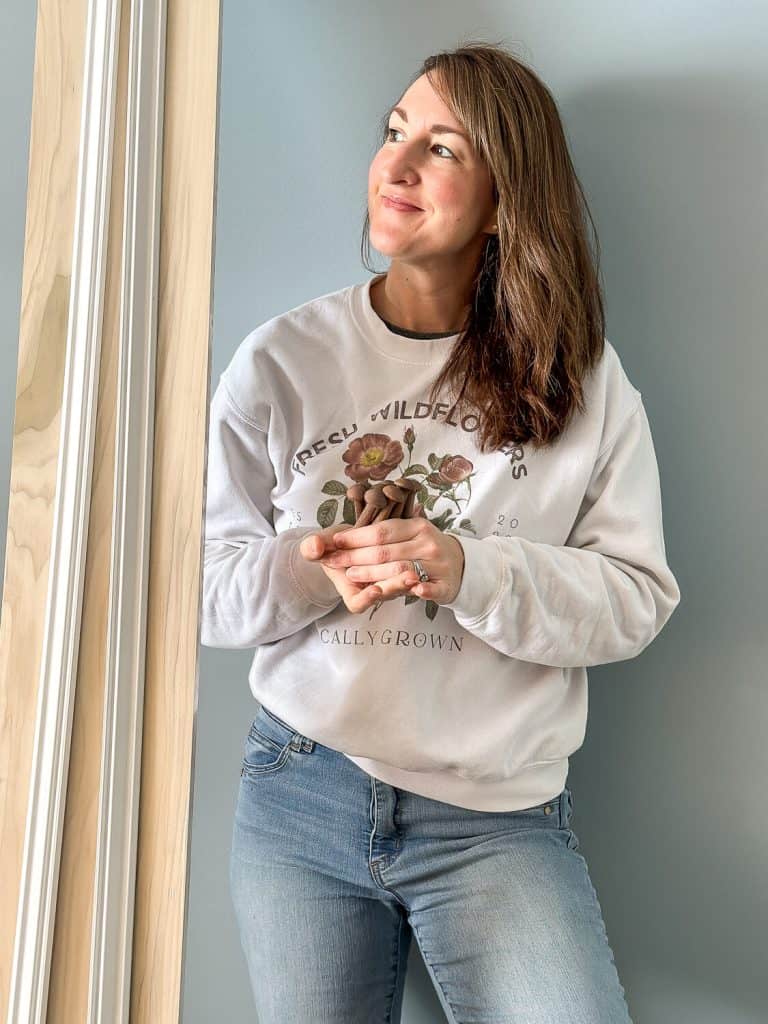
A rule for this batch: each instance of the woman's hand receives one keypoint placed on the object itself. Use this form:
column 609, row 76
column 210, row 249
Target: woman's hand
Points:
column 378, row 558
column 356, row 596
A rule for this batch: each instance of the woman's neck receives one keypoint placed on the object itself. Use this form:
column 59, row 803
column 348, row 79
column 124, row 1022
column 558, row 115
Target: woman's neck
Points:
column 402, row 305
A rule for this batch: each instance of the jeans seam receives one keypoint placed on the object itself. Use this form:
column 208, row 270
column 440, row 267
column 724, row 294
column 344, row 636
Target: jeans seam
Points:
column 398, row 967
column 256, row 735
column 431, row 966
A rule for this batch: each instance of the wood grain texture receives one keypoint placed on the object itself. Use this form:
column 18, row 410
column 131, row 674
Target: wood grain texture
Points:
column 68, row 986
column 47, row 271
column 182, row 385
column 182, row 395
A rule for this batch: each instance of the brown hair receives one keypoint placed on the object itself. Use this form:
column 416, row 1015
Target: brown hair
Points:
column 536, row 324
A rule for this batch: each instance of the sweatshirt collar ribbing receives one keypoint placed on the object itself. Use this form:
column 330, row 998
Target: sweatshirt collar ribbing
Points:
column 416, row 351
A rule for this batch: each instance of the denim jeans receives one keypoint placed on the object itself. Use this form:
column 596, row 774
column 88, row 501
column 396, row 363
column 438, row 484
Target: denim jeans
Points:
column 332, row 872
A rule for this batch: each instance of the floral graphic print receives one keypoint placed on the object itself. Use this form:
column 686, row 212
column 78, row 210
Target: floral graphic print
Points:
column 374, row 457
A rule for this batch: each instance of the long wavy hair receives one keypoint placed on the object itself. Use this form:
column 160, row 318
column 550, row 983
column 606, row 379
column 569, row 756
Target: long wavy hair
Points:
column 536, row 324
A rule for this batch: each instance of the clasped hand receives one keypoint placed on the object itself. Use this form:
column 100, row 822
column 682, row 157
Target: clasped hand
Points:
column 372, row 563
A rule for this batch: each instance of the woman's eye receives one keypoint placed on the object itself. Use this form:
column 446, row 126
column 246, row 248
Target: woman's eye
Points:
column 439, row 145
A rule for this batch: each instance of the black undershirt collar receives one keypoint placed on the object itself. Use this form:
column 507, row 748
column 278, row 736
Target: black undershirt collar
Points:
column 416, row 334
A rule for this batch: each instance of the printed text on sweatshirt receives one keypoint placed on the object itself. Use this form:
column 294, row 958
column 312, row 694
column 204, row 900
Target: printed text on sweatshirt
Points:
column 478, row 702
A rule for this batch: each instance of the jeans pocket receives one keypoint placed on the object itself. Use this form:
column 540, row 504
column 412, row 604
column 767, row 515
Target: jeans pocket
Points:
column 262, row 754
column 269, row 745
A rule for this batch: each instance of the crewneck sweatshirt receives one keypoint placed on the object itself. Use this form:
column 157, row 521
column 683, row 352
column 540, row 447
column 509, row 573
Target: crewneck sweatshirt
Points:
column 478, row 702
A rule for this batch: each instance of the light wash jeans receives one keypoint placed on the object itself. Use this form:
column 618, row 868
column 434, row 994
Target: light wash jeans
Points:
column 332, row 872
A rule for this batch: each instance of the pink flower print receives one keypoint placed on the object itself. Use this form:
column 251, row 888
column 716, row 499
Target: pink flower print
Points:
column 372, row 457
column 452, row 470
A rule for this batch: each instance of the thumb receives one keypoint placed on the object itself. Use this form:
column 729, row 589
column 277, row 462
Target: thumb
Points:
column 312, row 546
column 315, row 545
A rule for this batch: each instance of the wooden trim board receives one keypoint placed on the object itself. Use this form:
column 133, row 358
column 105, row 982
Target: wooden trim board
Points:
column 143, row 344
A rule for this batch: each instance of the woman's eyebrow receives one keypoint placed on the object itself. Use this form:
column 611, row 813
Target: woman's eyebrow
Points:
column 438, row 129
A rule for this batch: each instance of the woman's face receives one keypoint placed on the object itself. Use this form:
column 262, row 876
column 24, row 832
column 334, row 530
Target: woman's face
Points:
column 439, row 172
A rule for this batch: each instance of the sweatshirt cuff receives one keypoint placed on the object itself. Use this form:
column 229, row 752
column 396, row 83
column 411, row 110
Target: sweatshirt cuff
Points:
column 310, row 579
column 480, row 587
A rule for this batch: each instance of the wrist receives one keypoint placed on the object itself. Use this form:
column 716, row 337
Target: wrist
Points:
column 462, row 562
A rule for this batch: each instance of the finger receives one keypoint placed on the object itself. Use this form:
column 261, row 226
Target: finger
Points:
column 377, row 534
column 333, row 532
column 377, row 573
column 378, row 556
column 386, row 590
column 426, row 590
column 366, row 597
column 316, row 545
column 312, row 546
column 395, row 586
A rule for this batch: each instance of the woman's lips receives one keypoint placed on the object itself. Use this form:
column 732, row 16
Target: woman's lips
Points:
column 397, row 205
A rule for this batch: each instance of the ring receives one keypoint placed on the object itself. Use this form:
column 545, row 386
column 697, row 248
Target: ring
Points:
column 420, row 571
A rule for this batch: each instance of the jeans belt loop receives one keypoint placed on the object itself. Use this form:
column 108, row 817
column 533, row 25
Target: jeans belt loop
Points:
column 299, row 742
column 564, row 808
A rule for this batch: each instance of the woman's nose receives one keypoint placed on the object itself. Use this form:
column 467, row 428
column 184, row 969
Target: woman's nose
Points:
column 403, row 166
column 405, row 154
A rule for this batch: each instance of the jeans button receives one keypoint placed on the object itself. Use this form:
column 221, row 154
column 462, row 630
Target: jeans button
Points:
column 548, row 809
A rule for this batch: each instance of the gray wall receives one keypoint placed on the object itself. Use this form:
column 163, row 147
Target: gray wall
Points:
column 666, row 112
column 665, row 108
column 17, row 59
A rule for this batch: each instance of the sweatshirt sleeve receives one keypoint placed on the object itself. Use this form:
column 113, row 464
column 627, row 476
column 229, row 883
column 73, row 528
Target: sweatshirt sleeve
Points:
column 604, row 595
column 257, row 586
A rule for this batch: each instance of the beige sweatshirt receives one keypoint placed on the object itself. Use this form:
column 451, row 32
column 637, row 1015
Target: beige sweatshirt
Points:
column 478, row 702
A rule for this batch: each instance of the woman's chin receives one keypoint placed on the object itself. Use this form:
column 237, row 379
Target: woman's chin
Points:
column 388, row 245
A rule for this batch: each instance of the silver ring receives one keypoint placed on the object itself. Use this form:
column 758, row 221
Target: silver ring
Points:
column 420, row 571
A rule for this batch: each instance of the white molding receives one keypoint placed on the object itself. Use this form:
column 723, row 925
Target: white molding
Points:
column 36, row 914
column 109, row 988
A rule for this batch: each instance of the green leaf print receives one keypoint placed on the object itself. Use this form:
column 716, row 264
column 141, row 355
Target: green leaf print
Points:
column 326, row 513
column 334, row 487
column 444, row 520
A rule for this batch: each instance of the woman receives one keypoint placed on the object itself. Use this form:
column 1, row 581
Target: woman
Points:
column 432, row 502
